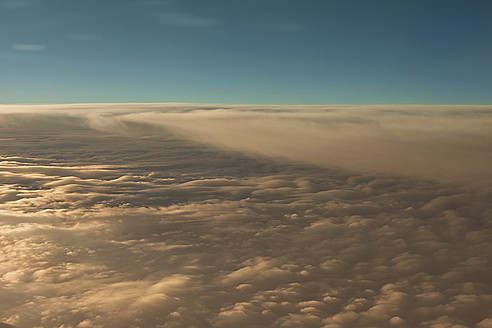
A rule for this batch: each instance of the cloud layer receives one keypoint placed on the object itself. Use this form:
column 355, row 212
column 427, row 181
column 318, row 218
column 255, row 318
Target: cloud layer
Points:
column 450, row 143
column 176, row 216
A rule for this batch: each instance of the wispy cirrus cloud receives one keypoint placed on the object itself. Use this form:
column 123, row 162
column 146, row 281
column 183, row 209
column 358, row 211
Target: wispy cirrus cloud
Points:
column 155, row 2
column 186, row 20
column 13, row 4
column 288, row 27
column 29, row 47
column 85, row 37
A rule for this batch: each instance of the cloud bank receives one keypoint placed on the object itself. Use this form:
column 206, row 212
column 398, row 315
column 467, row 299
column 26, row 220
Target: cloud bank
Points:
column 185, row 215
column 450, row 143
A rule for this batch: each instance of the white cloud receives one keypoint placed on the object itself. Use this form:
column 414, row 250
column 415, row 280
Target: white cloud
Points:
column 288, row 27
column 13, row 4
column 28, row 47
column 155, row 2
column 186, row 20
column 85, row 37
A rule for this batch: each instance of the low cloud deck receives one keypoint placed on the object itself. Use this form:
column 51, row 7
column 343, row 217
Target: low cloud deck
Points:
column 185, row 216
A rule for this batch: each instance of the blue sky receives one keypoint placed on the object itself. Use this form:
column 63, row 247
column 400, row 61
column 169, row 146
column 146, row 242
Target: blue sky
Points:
column 238, row 51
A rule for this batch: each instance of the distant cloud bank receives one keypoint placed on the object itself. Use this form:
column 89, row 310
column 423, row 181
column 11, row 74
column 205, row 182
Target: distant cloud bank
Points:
column 449, row 143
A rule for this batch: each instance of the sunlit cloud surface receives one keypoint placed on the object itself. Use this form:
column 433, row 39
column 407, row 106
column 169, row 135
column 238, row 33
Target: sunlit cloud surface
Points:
column 180, row 215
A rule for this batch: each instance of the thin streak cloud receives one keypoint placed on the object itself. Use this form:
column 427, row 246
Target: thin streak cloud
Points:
column 85, row 37
column 14, row 4
column 29, row 47
column 186, row 20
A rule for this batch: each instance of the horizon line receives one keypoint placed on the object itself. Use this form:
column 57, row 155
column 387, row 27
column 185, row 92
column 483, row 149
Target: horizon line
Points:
column 238, row 104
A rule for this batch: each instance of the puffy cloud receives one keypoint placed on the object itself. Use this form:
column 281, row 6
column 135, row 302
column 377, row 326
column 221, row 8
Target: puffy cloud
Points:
column 4, row 325
column 120, row 216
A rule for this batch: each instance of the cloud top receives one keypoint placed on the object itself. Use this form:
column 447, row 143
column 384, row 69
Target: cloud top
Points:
column 449, row 143
column 177, row 215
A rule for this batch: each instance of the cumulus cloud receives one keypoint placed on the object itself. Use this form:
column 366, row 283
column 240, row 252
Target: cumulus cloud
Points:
column 135, row 216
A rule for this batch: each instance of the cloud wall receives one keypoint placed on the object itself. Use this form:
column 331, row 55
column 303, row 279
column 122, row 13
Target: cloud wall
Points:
column 451, row 143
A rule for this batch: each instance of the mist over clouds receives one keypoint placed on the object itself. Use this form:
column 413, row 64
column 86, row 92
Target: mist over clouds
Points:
column 182, row 215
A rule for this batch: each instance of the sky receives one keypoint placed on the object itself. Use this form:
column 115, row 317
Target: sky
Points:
column 185, row 216
column 268, row 51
